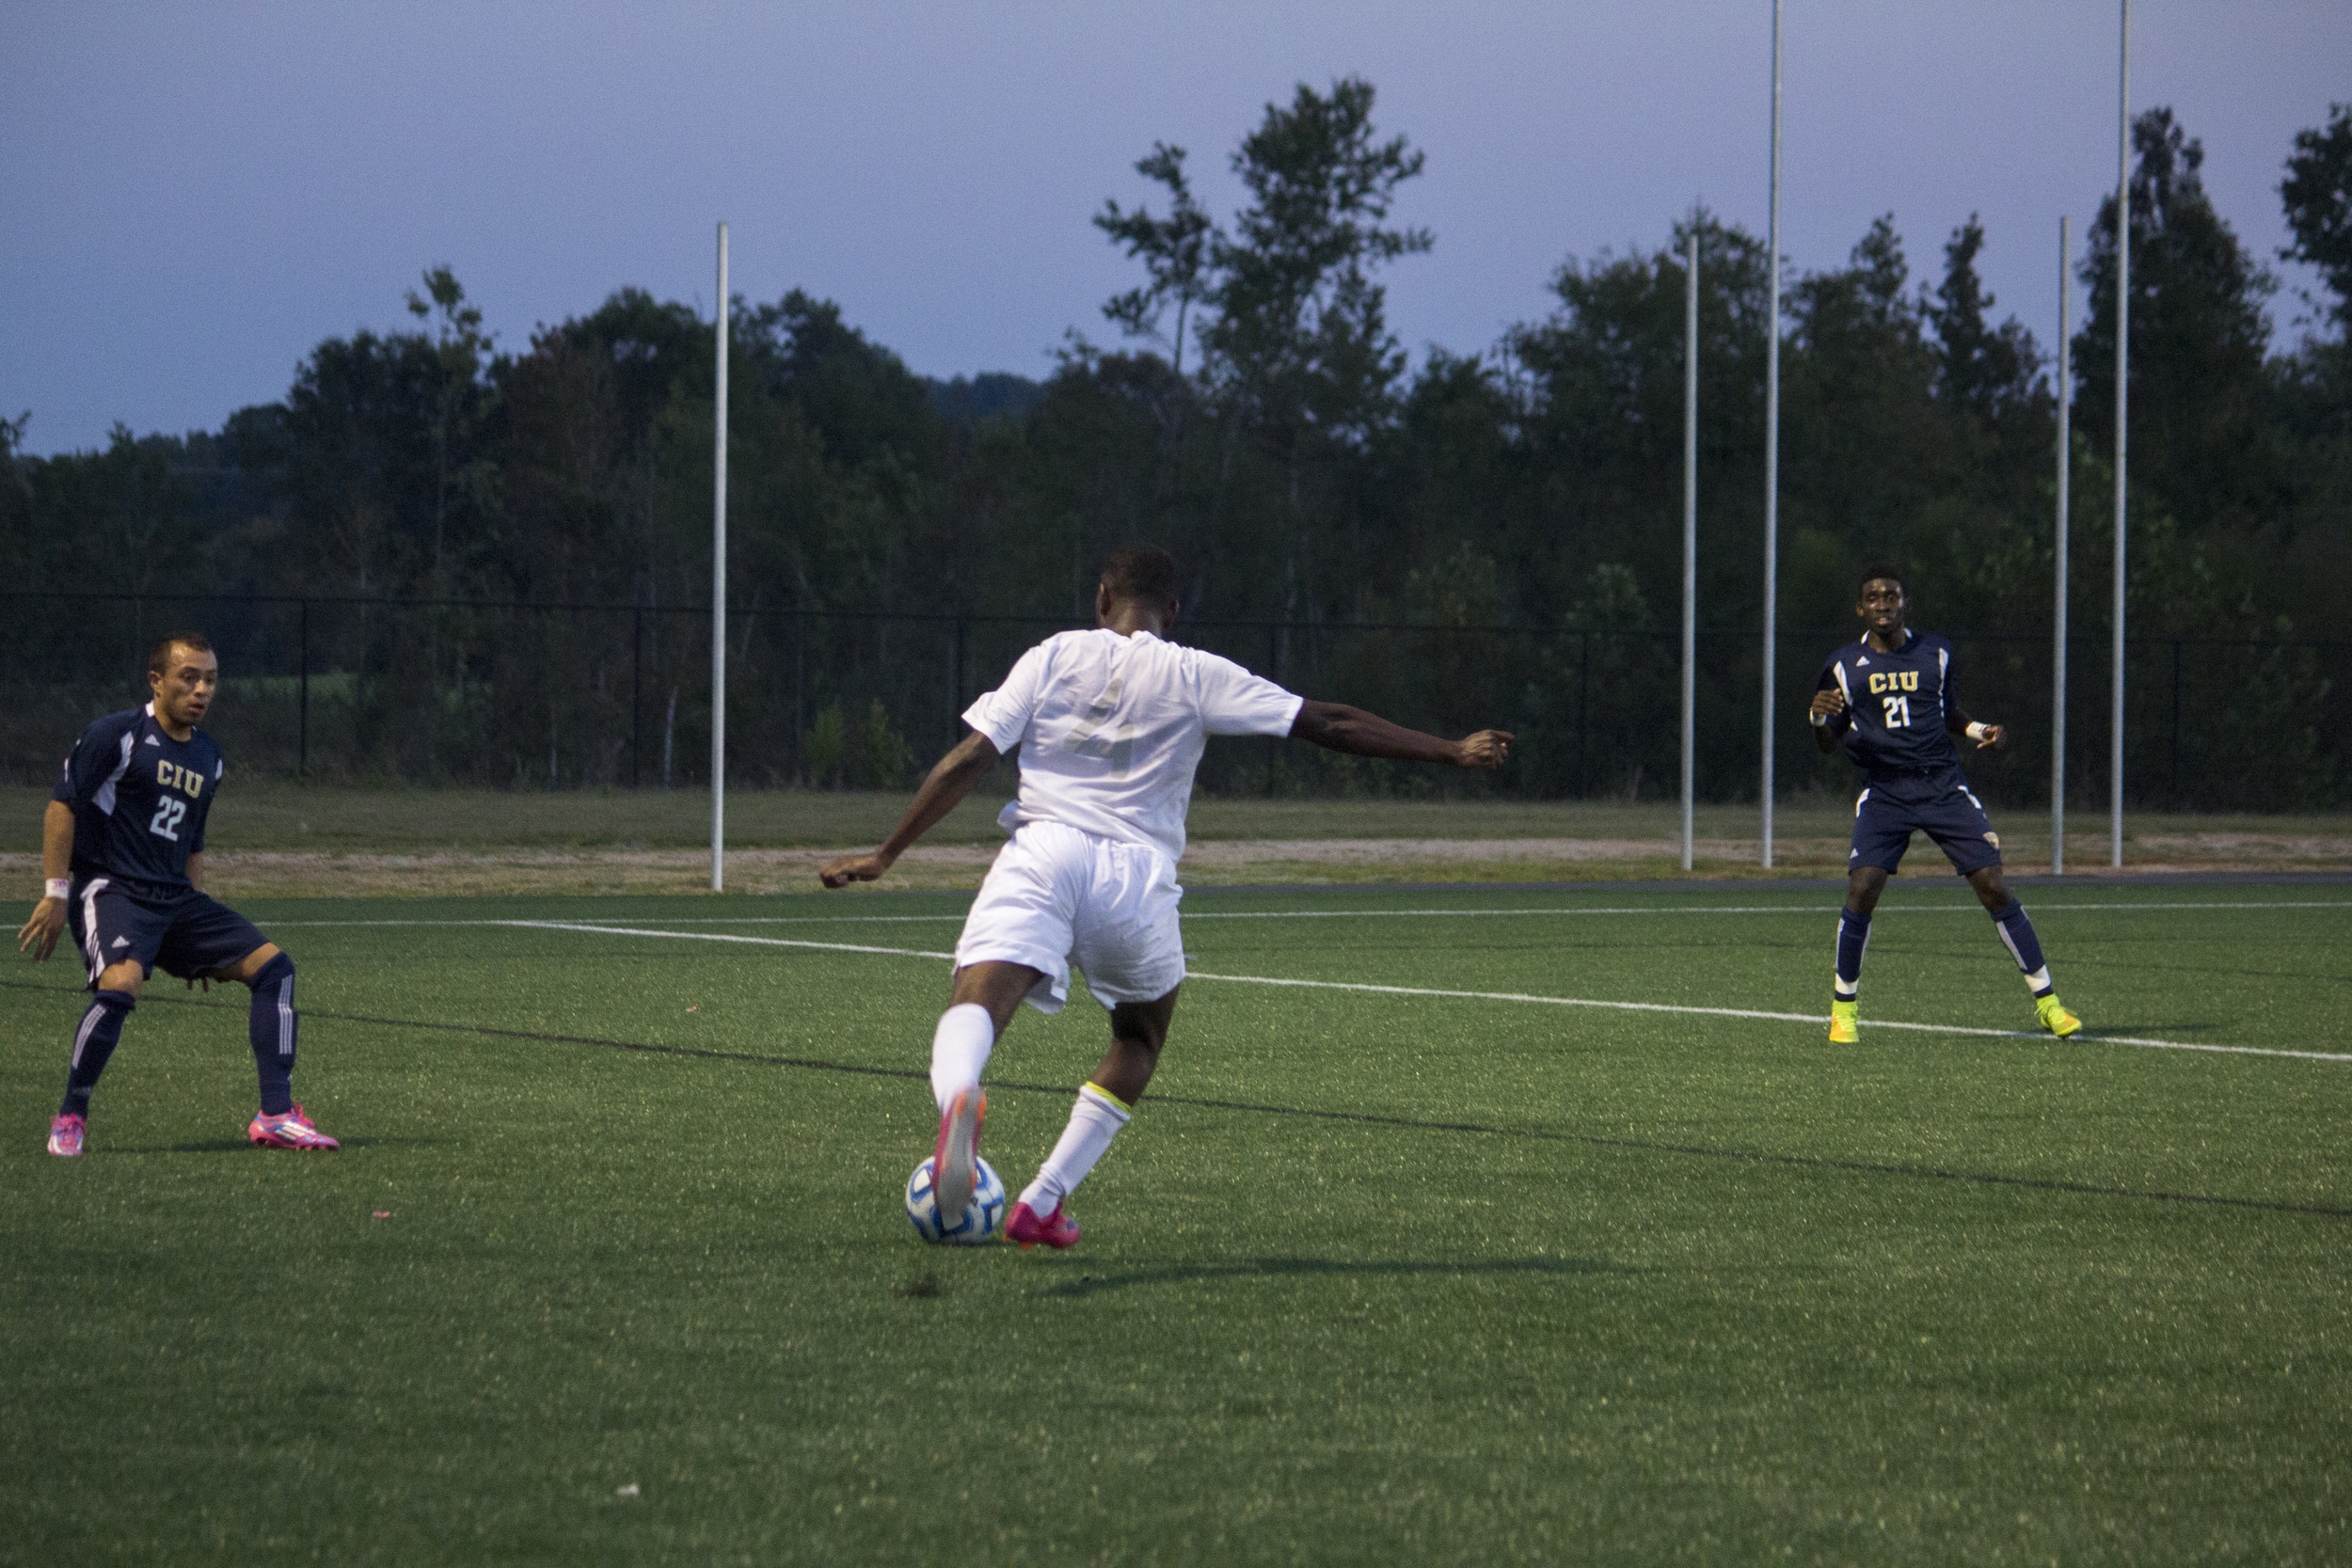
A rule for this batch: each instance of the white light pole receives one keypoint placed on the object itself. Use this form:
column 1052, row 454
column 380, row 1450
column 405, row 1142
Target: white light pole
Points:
column 1771, row 447
column 2065, row 478
column 719, row 596
column 1689, row 535
column 2122, row 367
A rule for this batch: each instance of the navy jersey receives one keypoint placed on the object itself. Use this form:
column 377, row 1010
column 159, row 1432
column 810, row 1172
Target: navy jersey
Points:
column 139, row 799
column 1894, row 705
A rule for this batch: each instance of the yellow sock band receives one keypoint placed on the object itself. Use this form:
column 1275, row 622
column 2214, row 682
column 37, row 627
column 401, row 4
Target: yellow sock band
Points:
column 1099, row 1092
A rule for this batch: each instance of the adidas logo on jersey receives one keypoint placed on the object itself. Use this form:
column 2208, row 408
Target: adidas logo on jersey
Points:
column 122, row 941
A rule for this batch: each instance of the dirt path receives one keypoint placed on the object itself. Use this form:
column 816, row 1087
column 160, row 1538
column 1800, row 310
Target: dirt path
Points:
column 1209, row 863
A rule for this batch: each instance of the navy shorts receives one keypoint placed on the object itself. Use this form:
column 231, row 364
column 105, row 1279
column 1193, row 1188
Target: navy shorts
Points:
column 1945, row 809
column 184, row 934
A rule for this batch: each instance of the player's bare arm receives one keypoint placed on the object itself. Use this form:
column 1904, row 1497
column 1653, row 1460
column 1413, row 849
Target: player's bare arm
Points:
column 1828, row 703
column 1337, row 727
column 943, row 790
column 38, row 934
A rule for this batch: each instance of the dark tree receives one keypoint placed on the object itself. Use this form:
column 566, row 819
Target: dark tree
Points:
column 2317, row 193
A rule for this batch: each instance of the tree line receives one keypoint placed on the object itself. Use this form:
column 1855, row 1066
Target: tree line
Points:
column 1253, row 411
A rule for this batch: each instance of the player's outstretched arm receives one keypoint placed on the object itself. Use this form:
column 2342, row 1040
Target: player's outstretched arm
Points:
column 949, row 782
column 38, row 934
column 1337, row 727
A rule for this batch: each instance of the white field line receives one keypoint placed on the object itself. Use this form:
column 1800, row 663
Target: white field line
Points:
column 2039, row 907
column 1451, row 995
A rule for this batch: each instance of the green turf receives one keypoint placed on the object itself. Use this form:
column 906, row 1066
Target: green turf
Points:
column 1604, row 1286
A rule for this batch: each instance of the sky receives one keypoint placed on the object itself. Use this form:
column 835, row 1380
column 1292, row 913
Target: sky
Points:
column 193, row 196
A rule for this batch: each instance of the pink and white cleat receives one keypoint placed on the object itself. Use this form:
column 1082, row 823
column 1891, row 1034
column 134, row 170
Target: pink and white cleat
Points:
column 1056, row 1231
column 292, row 1130
column 65, row 1135
column 956, row 1156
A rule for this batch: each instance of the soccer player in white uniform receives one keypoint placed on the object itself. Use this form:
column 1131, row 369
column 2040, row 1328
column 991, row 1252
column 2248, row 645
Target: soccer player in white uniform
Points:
column 1111, row 724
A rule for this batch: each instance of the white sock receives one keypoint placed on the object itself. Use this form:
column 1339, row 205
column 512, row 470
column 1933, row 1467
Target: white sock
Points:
column 1093, row 1122
column 959, row 1049
column 2038, row 981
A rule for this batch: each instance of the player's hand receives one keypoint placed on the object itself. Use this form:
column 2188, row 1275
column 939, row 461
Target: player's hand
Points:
column 204, row 980
column 1828, row 703
column 38, row 934
column 1486, row 749
column 853, row 868
column 1994, row 735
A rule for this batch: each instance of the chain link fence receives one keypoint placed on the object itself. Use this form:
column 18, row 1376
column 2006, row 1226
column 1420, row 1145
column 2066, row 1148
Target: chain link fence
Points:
column 559, row 696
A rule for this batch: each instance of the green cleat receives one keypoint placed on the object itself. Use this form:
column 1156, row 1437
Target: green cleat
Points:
column 2055, row 1017
column 1845, row 1026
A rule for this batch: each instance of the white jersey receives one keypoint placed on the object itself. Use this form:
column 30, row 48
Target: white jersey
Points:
column 1111, row 729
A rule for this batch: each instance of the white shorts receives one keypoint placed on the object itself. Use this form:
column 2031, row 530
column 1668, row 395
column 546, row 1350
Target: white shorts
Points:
column 1056, row 897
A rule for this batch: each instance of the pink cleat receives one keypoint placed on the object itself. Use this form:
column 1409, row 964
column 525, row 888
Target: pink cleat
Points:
column 292, row 1130
column 65, row 1135
column 1056, row 1231
column 958, row 1152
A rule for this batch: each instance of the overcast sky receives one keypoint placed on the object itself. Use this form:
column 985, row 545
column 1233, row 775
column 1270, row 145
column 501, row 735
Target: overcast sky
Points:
column 192, row 195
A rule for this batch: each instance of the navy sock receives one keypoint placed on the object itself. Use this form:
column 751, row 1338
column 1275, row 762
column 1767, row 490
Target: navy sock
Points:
column 271, row 1027
column 2017, row 936
column 95, row 1041
column 1854, row 936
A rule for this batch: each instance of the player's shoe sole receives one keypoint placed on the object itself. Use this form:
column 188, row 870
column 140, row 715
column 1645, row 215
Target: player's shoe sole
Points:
column 1056, row 1231
column 956, row 1156
column 65, row 1136
column 1845, row 1026
column 2055, row 1017
column 292, row 1130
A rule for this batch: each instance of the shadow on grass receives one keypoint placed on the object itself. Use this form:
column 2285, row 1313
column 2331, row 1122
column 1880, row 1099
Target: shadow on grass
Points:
column 1275, row 1268
column 239, row 1146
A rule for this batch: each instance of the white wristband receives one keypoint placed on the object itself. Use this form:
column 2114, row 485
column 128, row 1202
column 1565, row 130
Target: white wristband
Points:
column 1978, row 731
column 56, row 887
column 1820, row 721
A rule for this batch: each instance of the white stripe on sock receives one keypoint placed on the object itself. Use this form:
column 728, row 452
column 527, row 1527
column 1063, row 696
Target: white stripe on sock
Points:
column 285, row 1016
column 81, row 1035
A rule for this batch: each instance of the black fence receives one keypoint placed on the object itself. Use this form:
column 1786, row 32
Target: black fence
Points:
column 601, row 695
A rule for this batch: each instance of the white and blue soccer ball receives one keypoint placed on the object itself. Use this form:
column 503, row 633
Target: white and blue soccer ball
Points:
column 981, row 1219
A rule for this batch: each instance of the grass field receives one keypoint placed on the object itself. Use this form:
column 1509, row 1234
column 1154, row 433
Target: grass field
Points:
column 1375, row 1276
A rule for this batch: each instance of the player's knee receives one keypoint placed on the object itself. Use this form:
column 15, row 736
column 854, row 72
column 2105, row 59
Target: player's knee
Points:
column 281, row 968
column 123, row 979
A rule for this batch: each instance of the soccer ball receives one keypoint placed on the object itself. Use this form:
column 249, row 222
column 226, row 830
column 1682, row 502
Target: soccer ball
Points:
column 980, row 1220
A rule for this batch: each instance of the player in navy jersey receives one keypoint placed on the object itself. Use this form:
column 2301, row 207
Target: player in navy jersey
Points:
column 1888, row 701
column 123, row 849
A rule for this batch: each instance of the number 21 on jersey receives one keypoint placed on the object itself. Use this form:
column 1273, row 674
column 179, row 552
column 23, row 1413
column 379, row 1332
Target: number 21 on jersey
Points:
column 1898, row 712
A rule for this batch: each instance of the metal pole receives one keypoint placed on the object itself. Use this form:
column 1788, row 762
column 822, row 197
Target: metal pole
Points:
column 2065, row 477
column 302, row 755
column 1584, row 711
column 1771, row 450
column 719, row 596
column 2122, row 367
column 1690, row 536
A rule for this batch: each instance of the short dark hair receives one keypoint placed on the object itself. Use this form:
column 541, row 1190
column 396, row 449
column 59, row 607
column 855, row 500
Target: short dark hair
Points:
column 1144, row 573
column 1878, row 569
column 159, row 656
